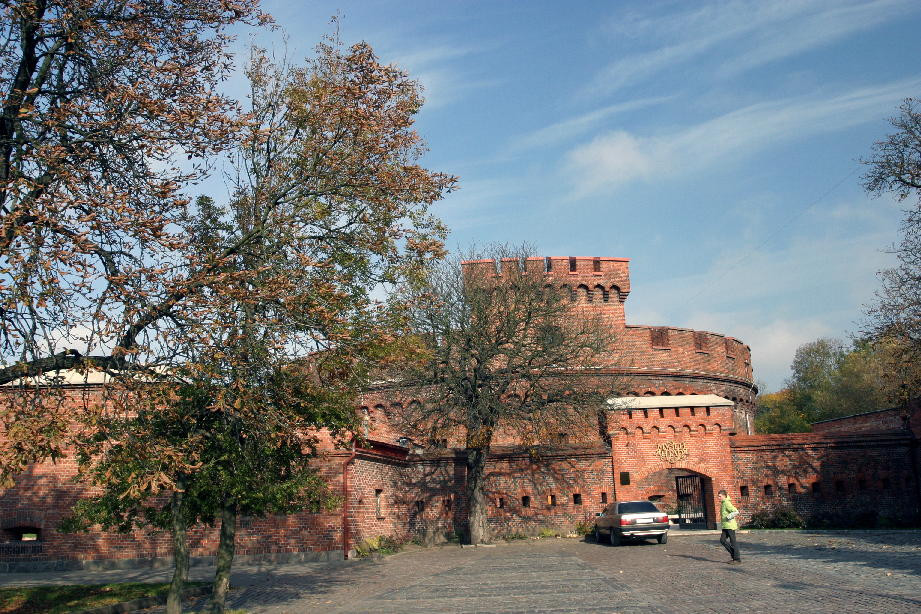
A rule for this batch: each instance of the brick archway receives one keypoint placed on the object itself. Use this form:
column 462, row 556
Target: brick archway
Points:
column 661, row 485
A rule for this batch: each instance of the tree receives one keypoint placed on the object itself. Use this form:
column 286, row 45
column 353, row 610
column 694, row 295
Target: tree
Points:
column 778, row 414
column 895, row 168
column 829, row 380
column 108, row 110
column 328, row 202
column 813, row 369
column 493, row 355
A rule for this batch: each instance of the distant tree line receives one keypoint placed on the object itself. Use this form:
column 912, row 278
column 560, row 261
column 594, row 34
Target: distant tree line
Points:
column 831, row 379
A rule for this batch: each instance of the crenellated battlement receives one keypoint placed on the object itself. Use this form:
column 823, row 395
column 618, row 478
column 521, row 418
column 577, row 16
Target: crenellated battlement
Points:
column 671, row 348
column 587, row 279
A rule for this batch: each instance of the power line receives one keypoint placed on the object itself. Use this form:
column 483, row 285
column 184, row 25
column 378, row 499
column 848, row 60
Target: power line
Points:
column 774, row 233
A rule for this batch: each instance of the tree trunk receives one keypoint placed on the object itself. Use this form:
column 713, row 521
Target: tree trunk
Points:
column 180, row 551
column 225, row 551
column 477, row 526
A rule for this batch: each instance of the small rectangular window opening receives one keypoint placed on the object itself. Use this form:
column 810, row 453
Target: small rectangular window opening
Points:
column 577, row 499
column 378, row 502
column 791, row 488
column 659, row 337
column 661, row 413
column 708, row 411
column 677, row 412
column 884, row 482
column 420, row 506
column 700, row 342
column 572, row 264
column 768, row 490
column 551, row 500
column 817, row 488
column 743, row 491
column 500, row 503
column 624, row 478
column 604, row 497
column 693, row 411
column 839, row 486
column 862, row 483
column 447, row 504
column 548, row 265
column 596, row 265
column 526, row 501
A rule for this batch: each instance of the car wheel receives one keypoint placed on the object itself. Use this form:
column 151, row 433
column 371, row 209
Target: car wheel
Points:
column 615, row 538
column 663, row 539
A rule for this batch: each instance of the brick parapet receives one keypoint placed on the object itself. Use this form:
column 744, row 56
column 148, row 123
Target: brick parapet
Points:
column 893, row 419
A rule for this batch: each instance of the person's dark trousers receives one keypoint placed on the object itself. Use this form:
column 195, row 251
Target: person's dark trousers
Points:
column 728, row 539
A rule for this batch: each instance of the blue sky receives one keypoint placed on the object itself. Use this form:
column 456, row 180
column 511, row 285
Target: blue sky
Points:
column 716, row 144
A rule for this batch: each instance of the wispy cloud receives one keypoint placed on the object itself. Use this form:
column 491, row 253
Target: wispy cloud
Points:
column 438, row 69
column 759, row 32
column 616, row 158
column 579, row 125
column 776, row 298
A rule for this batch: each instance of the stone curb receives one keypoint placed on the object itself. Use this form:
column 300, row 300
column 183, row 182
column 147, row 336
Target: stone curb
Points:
column 849, row 531
column 145, row 602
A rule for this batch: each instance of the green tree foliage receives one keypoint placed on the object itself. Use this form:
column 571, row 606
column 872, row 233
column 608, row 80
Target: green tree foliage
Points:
column 830, row 380
column 778, row 414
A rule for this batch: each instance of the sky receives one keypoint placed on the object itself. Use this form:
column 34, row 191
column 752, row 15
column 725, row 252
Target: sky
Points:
column 715, row 144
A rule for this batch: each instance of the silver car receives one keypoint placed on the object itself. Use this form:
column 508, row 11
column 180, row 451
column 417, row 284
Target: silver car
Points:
column 631, row 519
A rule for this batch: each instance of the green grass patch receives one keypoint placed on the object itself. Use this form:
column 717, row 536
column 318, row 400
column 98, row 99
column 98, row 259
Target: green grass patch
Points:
column 73, row 598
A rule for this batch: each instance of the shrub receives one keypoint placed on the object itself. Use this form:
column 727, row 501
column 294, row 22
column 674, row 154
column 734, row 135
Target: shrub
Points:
column 548, row 532
column 381, row 544
column 781, row 518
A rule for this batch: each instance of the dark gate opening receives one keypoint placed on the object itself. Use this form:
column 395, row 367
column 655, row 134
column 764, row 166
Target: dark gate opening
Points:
column 691, row 510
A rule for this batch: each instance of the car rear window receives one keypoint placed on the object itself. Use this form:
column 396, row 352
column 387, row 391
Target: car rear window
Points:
column 636, row 507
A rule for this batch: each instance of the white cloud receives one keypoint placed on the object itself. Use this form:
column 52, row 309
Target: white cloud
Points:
column 761, row 32
column 617, row 158
column 810, row 31
column 614, row 159
column 435, row 67
column 776, row 299
column 576, row 126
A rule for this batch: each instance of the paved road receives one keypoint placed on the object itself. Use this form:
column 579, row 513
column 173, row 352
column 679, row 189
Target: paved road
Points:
column 781, row 572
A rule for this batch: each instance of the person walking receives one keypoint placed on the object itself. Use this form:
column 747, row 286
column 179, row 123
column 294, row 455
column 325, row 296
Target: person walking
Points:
column 728, row 513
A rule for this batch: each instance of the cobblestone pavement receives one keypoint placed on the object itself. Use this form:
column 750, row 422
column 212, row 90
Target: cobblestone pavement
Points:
column 781, row 572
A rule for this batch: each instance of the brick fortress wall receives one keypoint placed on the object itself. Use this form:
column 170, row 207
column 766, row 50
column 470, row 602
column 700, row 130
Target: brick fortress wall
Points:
column 391, row 491
column 835, row 479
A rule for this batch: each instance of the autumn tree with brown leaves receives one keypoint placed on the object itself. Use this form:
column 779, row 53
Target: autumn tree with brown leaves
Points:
column 494, row 356
column 108, row 111
column 328, row 203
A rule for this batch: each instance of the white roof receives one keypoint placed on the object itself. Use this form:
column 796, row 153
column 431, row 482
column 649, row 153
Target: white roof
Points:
column 681, row 400
column 75, row 377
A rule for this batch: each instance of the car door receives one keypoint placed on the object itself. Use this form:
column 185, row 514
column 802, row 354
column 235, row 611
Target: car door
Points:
column 604, row 521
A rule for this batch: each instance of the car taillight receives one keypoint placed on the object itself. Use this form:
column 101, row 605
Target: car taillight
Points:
column 625, row 521
column 662, row 519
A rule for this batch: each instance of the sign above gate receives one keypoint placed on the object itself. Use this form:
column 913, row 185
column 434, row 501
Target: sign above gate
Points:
column 672, row 451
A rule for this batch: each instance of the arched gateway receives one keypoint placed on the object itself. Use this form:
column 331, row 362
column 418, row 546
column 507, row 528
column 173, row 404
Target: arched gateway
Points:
column 673, row 450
